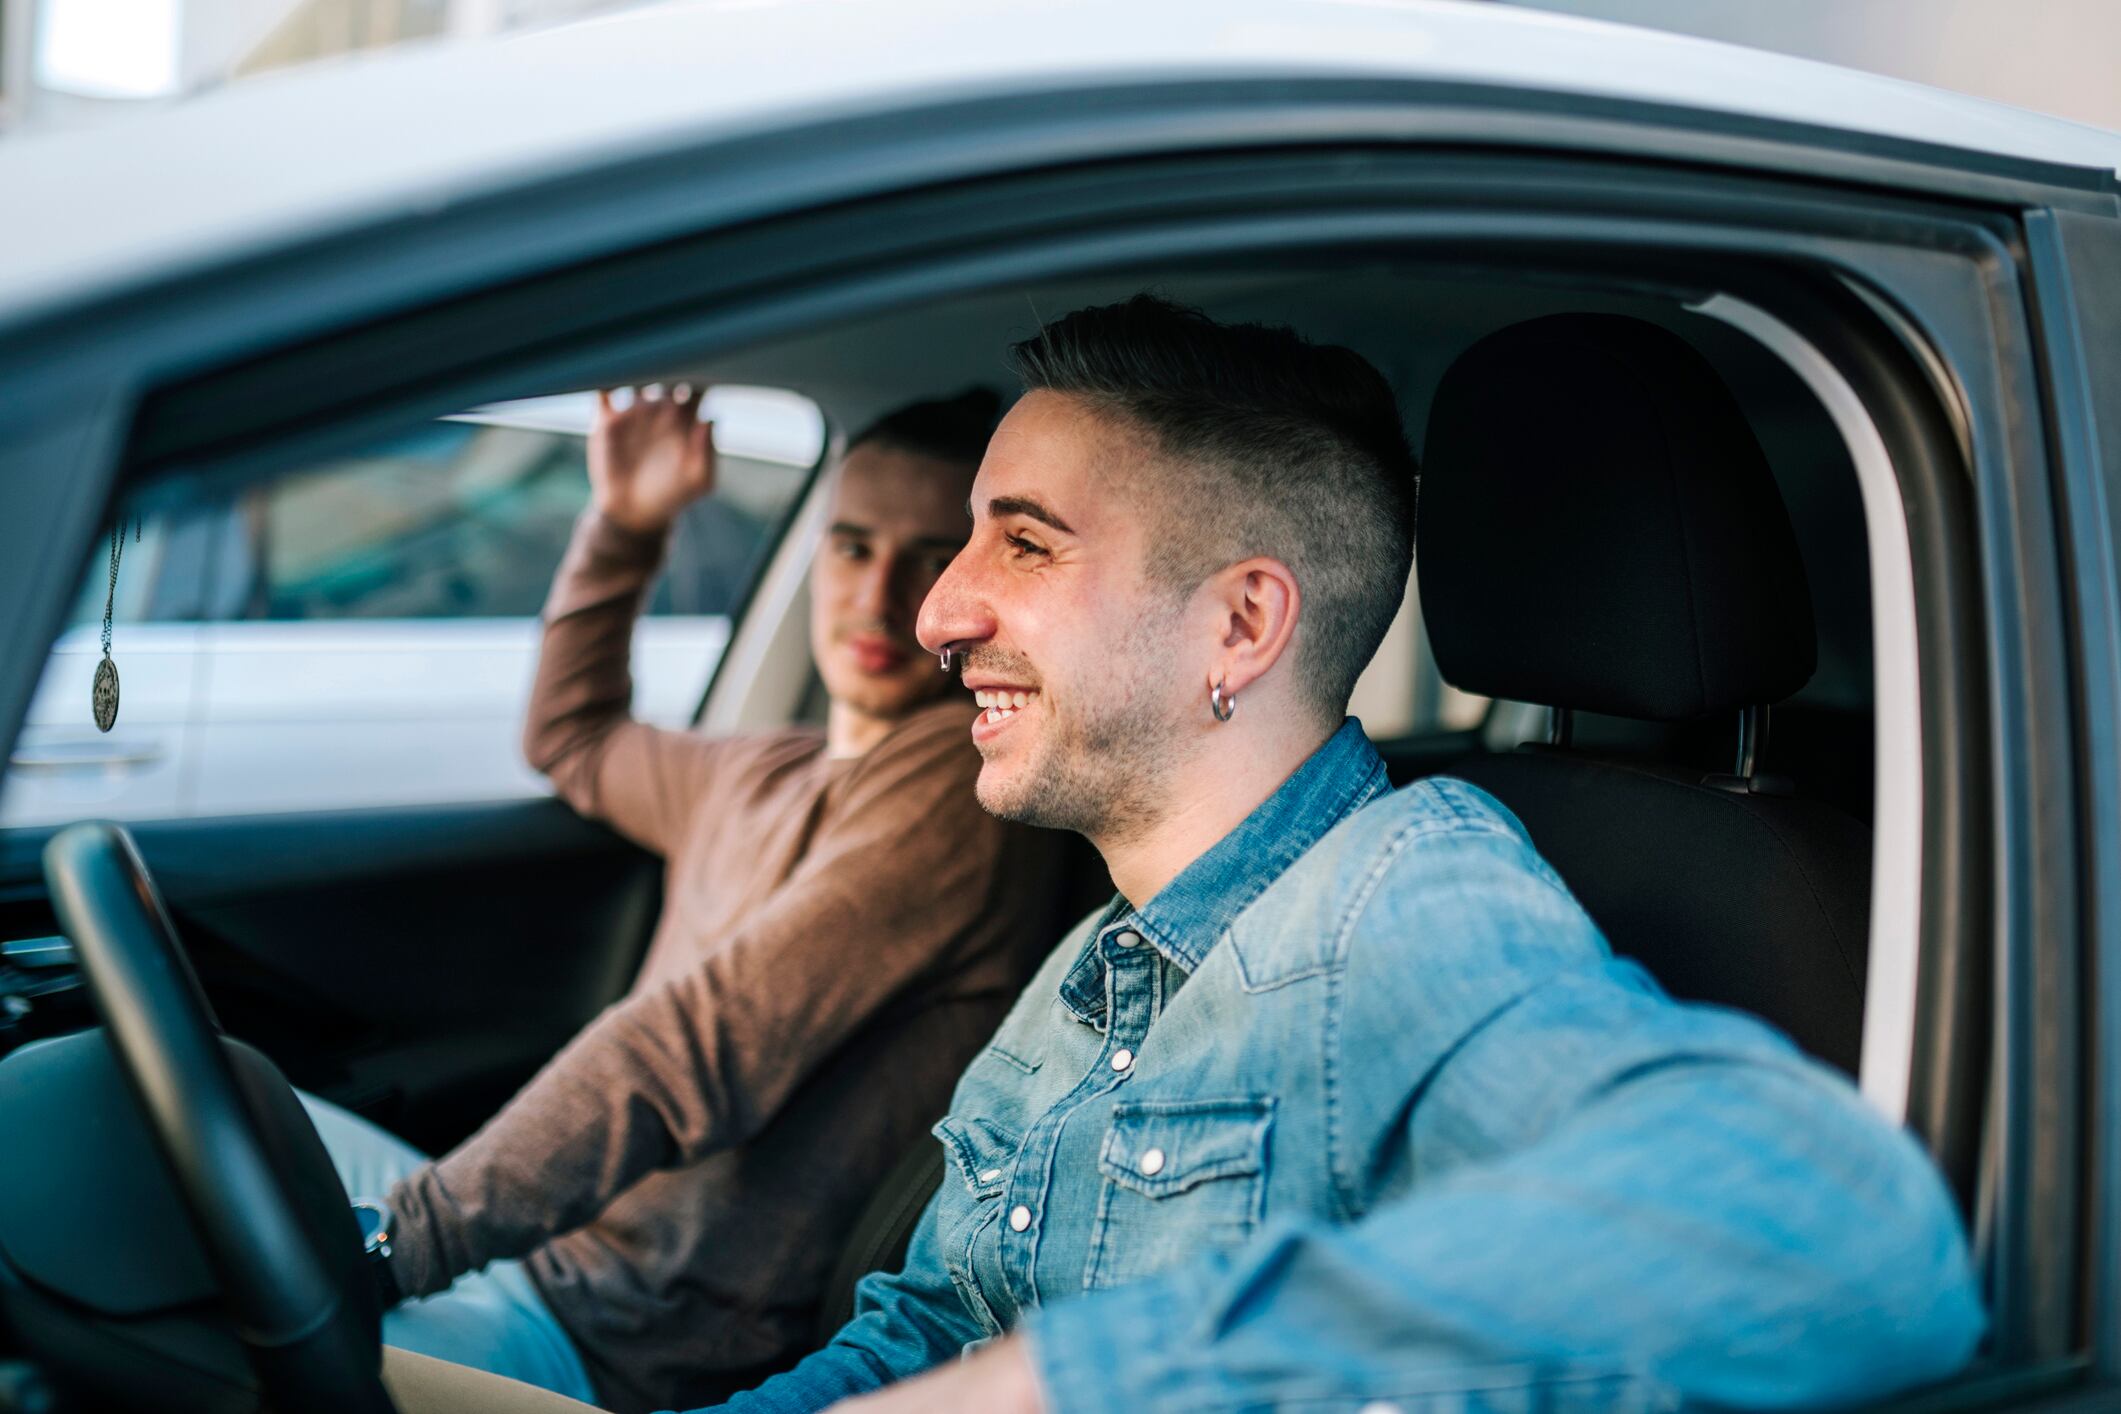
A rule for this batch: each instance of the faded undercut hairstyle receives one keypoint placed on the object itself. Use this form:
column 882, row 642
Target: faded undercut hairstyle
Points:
column 948, row 429
column 1267, row 445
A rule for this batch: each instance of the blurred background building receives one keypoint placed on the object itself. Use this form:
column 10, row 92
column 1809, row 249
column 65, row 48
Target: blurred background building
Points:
column 64, row 63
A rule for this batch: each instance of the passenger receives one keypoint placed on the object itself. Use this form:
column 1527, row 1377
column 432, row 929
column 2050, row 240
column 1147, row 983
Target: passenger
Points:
column 842, row 927
column 1343, row 1100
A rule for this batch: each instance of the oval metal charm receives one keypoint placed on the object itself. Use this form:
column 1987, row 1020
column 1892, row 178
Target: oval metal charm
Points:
column 103, row 697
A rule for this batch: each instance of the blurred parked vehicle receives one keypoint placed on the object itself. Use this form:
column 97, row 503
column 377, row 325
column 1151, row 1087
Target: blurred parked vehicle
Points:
column 363, row 633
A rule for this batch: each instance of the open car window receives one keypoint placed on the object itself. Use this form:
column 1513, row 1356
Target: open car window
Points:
column 362, row 631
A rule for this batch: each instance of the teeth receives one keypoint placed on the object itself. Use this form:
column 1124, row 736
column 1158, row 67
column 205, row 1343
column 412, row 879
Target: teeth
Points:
column 1002, row 699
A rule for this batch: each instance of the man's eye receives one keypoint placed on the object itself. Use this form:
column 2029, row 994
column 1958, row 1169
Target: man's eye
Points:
column 1019, row 547
column 850, row 549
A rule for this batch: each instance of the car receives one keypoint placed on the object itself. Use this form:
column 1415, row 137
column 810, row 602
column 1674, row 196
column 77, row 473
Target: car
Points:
column 1914, row 297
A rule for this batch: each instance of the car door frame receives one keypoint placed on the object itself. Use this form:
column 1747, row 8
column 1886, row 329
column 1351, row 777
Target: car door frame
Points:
column 2074, row 261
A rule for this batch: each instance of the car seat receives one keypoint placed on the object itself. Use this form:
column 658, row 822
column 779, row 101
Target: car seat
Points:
column 1597, row 530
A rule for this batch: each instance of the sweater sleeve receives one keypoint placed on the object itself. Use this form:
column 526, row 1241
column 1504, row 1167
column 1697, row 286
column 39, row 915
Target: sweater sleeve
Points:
column 894, row 888
column 579, row 732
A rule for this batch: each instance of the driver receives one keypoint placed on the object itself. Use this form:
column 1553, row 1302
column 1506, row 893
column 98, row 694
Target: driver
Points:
column 650, row 1220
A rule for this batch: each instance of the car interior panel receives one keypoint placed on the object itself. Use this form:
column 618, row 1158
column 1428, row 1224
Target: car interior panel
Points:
column 396, row 910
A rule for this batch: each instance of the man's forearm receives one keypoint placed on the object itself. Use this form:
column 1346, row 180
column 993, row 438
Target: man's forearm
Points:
column 1000, row 1379
column 906, row 1322
column 428, row 1250
column 584, row 682
column 580, row 1133
column 1715, row 1232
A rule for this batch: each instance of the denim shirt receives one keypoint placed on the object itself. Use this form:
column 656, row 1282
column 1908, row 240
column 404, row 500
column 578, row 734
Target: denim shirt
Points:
column 1360, row 1110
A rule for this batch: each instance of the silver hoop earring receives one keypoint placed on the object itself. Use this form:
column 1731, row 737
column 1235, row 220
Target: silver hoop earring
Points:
column 1222, row 704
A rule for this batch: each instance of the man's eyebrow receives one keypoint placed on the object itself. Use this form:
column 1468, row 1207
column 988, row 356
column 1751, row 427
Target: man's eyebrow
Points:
column 848, row 527
column 1026, row 506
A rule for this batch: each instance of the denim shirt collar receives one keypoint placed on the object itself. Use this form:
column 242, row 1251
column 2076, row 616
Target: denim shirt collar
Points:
column 1187, row 916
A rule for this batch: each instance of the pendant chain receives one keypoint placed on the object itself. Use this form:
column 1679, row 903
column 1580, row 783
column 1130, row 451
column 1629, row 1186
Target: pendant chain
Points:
column 110, row 598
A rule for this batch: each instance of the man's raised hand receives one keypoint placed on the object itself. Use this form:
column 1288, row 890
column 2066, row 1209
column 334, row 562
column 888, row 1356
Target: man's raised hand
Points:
column 651, row 459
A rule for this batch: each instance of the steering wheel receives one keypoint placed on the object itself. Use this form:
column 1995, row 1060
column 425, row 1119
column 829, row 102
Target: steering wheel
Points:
column 286, row 1255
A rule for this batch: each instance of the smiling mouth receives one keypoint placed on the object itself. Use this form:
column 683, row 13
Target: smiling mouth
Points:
column 1001, row 703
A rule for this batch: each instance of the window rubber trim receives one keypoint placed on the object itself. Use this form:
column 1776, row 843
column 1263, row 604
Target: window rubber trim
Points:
column 1896, row 671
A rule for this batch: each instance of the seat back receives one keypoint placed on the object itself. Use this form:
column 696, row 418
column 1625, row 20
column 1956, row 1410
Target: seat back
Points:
column 881, row 1234
column 1750, row 901
column 1626, row 551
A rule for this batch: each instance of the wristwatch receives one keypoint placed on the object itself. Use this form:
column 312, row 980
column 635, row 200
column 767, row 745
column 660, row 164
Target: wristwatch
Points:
column 376, row 1222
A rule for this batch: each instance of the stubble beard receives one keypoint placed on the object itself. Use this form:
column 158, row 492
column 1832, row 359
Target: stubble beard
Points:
column 1101, row 766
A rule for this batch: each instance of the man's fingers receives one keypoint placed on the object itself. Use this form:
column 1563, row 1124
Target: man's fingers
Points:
column 604, row 402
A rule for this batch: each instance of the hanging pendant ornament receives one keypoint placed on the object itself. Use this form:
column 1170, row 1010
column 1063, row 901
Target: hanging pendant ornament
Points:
column 103, row 694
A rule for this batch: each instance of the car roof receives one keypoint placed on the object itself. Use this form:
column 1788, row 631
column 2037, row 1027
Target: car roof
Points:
column 294, row 154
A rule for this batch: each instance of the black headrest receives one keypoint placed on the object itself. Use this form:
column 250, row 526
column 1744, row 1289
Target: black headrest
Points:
column 1597, row 528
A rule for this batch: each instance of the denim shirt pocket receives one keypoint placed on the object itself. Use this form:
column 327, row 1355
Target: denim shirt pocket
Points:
column 978, row 1154
column 1180, row 1177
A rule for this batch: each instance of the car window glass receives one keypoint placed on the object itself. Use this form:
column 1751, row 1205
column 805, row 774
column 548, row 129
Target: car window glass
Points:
column 362, row 631
column 1402, row 694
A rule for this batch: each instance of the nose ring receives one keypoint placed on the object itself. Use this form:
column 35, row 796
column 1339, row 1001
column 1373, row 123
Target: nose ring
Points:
column 948, row 657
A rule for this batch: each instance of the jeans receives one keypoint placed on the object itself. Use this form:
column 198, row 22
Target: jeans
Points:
column 491, row 1320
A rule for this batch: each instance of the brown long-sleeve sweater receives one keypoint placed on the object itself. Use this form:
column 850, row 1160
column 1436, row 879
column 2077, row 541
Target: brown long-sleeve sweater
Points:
column 838, row 938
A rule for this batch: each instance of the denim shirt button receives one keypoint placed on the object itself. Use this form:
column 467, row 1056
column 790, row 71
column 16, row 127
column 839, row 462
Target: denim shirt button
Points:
column 1019, row 1218
column 1152, row 1163
column 1379, row 1406
column 1122, row 1058
column 1126, row 937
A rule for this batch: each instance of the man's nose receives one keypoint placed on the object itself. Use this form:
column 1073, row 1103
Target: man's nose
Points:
column 954, row 611
column 872, row 590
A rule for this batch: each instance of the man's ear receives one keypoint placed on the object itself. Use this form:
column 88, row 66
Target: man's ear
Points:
column 1256, row 604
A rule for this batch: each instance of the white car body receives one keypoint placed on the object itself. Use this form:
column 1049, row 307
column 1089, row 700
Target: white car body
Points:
column 297, row 154
column 250, row 718
column 239, row 718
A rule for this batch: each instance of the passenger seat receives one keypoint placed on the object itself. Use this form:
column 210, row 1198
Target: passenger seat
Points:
column 1598, row 531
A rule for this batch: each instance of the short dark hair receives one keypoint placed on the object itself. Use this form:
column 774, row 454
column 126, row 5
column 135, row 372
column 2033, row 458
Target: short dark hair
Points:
column 1274, row 446
column 953, row 429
